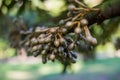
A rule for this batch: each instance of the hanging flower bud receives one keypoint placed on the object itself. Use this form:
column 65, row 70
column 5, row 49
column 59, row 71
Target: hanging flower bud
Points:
column 44, row 60
column 84, row 22
column 55, row 50
column 43, row 52
column 69, row 39
column 36, row 53
column 41, row 40
column 37, row 29
column 73, row 60
column 52, row 57
column 62, row 40
column 69, row 55
column 53, row 30
column 69, row 14
column 41, row 36
column 63, row 30
column 71, row 7
column 94, row 41
column 46, row 47
column 40, row 47
column 77, row 30
column 60, row 49
column 73, row 54
column 27, row 43
column 47, row 40
column 71, row 46
column 69, row 24
column 64, row 54
column 57, row 43
column 34, row 48
column 91, row 40
column 61, row 22
column 34, row 41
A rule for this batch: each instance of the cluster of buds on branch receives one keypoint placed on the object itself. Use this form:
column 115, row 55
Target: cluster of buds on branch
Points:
column 54, row 44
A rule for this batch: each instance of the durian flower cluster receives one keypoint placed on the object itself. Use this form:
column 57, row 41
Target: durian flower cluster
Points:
column 54, row 44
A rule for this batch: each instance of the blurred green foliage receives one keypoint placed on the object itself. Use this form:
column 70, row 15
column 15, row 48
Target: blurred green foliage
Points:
column 5, row 50
column 107, row 69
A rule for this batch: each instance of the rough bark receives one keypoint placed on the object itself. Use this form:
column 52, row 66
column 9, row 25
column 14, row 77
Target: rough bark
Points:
column 108, row 9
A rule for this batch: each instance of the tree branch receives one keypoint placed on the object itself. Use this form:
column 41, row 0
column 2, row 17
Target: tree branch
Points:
column 108, row 9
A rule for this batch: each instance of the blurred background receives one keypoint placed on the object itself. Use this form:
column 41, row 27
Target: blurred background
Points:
column 101, row 63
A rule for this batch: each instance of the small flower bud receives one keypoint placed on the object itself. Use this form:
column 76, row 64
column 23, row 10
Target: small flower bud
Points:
column 73, row 60
column 47, row 40
column 69, row 24
column 55, row 50
column 62, row 40
column 36, row 54
column 61, row 22
column 34, row 48
column 44, row 60
column 60, row 49
column 71, row 46
column 84, row 22
column 46, row 47
column 52, row 57
column 34, row 41
column 43, row 52
column 77, row 30
column 69, row 14
column 57, row 43
column 64, row 30
column 71, row 7
column 94, row 41
column 53, row 30
column 42, row 40
column 91, row 40
column 73, row 54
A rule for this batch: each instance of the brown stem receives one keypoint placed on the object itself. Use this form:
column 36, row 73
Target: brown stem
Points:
column 108, row 9
column 87, row 32
column 81, row 4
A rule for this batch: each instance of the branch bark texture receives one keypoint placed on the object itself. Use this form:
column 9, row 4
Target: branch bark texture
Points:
column 108, row 9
